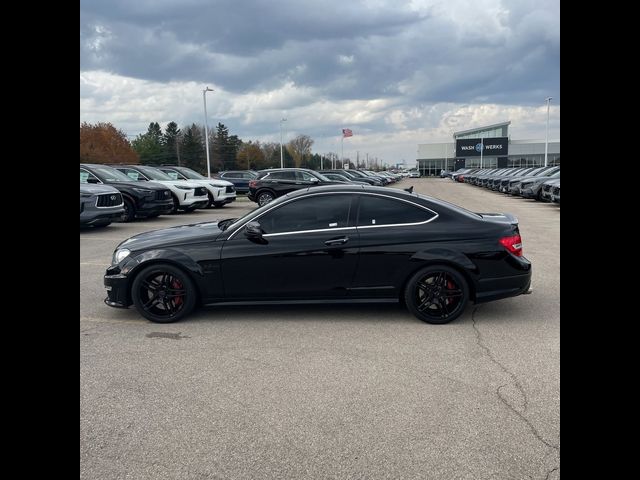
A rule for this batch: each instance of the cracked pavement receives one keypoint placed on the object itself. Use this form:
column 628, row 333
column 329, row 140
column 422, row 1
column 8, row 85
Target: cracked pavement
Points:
column 352, row 391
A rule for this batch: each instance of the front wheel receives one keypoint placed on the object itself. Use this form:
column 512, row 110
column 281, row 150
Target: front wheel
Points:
column 264, row 198
column 437, row 294
column 163, row 293
column 129, row 211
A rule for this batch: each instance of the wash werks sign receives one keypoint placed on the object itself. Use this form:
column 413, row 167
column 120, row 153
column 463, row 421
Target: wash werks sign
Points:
column 493, row 147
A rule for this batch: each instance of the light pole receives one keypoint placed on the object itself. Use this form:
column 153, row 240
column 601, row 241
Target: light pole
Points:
column 546, row 140
column 281, row 157
column 206, row 128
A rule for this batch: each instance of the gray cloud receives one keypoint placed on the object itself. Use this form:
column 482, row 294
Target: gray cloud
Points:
column 410, row 54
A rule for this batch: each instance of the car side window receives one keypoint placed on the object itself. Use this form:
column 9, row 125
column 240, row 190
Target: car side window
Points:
column 132, row 174
column 304, row 176
column 322, row 212
column 84, row 176
column 375, row 211
column 172, row 174
column 282, row 176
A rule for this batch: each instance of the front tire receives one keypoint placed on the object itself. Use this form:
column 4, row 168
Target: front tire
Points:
column 437, row 294
column 163, row 293
column 264, row 198
column 129, row 211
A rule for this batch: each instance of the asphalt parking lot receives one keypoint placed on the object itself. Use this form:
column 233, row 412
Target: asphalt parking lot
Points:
column 358, row 392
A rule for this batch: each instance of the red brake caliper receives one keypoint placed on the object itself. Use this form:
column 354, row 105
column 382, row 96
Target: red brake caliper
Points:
column 177, row 300
column 450, row 286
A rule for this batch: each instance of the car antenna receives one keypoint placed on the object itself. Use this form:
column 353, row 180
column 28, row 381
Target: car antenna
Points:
column 410, row 189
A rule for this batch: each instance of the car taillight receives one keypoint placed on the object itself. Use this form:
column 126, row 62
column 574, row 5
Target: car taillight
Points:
column 252, row 183
column 461, row 178
column 513, row 244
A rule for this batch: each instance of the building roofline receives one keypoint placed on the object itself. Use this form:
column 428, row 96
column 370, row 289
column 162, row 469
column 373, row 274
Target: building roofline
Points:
column 462, row 132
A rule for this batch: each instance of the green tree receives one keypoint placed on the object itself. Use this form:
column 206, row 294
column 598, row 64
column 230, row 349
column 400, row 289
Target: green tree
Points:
column 192, row 152
column 171, row 144
column 225, row 148
column 149, row 145
column 104, row 143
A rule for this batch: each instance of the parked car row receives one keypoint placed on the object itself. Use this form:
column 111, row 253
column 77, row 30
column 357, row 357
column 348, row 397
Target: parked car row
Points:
column 142, row 191
column 276, row 182
column 540, row 183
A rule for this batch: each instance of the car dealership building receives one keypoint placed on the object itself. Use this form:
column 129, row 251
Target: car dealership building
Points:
column 490, row 146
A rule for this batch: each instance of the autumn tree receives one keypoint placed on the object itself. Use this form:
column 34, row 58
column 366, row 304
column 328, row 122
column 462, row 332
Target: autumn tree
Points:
column 104, row 143
column 250, row 156
column 299, row 147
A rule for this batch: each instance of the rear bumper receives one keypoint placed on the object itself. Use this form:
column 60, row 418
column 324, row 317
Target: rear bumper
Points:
column 490, row 289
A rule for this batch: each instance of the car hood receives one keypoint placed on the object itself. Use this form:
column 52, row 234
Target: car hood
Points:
column 216, row 182
column 194, row 233
column 91, row 189
column 133, row 184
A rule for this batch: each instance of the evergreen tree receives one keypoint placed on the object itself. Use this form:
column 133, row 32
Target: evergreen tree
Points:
column 148, row 145
column 192, row 153
column 171, row 144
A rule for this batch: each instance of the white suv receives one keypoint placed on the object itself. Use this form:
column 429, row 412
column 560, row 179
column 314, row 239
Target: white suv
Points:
column 187, row 196
column 221, row 192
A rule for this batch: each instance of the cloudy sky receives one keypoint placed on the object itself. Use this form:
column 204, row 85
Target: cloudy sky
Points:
column 398, row 73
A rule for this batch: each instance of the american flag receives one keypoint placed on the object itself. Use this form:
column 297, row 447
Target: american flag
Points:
column 346, row 132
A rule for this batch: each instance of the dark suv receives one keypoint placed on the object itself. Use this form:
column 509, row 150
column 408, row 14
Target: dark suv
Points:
column 275, row 182
column 146, row 199
column 239, row 178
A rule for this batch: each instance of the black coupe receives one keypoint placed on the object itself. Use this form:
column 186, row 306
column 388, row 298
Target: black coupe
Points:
column 326, row 244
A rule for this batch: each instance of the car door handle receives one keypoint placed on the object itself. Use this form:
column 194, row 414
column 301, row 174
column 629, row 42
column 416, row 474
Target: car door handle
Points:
column 336, row 241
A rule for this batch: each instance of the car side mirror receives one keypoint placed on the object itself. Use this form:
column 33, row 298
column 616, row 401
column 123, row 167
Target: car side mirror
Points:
column 92, row 180
column 253, row 231
column 314, row 180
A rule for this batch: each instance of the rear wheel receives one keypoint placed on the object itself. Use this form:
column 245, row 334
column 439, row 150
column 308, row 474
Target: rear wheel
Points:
column 265, row 197
column 437, row 294
column 163, row 293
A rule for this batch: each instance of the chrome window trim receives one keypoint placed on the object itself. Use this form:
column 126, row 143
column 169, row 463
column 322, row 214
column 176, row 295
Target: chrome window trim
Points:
column 436, row 215
column 308, row 231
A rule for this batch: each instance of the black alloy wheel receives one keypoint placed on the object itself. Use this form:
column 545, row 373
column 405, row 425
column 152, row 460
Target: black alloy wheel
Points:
column 129, row 211
column 163, row 293
column 437, row 294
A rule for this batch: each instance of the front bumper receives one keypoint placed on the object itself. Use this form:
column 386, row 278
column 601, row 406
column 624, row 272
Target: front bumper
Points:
column 117, row 286
column 90, row 217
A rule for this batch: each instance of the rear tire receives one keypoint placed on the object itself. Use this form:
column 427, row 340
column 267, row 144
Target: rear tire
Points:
column 264, row 197
column 163, row 293
column 437, row 294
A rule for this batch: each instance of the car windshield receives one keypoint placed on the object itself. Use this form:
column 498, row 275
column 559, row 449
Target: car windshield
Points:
column 108, row 174
column 193, row 175
column 321, row 177
column 154, row 173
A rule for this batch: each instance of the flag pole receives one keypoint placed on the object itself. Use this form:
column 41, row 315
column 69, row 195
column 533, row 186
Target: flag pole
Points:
column 342, row 144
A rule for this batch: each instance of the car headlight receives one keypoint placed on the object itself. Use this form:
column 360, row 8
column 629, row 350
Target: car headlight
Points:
column 144, row 191
column 120, row 255
column 182, row 187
